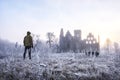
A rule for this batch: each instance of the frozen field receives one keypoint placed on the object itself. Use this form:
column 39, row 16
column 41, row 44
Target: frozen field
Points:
column 59, row 66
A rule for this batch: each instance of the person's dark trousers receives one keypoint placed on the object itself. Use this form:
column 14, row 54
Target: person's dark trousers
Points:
column 29, row 52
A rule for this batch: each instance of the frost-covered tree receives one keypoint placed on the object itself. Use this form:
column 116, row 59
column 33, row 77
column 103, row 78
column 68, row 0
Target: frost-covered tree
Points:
column 36, row 42
column 55, row 47
column 9, row 49
column 50, row 37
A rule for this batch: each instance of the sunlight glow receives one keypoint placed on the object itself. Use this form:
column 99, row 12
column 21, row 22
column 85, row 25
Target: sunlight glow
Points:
column 42, row 16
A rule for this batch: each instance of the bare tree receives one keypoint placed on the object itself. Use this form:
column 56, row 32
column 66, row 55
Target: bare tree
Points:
column 36, row 42
column 51, row 38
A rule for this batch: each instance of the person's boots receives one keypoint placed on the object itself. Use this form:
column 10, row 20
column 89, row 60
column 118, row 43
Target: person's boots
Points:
column 29, row 55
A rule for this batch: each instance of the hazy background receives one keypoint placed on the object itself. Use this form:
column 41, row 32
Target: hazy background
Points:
column 101, row 17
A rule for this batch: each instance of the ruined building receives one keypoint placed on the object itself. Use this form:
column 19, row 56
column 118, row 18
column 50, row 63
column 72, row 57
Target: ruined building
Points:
column 75, row 43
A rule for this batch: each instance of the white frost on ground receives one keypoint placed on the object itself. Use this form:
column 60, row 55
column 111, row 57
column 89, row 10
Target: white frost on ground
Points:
column 59, row 66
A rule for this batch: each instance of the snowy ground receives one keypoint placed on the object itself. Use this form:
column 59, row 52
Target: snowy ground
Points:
column 59, row 66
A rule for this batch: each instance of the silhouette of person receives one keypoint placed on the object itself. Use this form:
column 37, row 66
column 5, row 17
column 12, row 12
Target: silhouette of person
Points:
column 92, row 53
column 89, row 53
column 28, row 43
column 97, row 54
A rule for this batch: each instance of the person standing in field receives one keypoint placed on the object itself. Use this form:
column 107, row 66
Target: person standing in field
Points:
column 28, row 44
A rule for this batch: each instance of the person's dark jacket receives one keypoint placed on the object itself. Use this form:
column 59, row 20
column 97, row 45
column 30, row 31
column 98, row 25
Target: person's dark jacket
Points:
column 28, row 41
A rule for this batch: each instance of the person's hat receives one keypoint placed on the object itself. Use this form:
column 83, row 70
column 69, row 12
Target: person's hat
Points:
column 28, row 32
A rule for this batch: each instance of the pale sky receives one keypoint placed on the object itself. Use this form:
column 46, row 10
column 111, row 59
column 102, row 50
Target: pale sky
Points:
column 101, row 17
